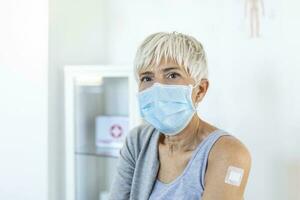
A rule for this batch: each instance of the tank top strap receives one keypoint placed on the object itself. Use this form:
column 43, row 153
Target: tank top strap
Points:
column 199, row 163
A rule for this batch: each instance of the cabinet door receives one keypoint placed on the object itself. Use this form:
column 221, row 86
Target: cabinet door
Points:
column 103, row 110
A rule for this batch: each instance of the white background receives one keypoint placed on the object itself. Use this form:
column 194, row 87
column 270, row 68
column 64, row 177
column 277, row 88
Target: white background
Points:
column 23, row 99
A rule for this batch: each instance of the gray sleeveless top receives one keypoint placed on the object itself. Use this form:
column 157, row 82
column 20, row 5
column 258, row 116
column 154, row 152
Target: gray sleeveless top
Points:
column 190, row 184
column 138, row 165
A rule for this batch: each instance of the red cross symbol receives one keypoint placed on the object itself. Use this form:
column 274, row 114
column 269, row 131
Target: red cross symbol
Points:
column 116, row 131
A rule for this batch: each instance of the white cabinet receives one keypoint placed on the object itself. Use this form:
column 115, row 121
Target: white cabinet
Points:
column 92, row 91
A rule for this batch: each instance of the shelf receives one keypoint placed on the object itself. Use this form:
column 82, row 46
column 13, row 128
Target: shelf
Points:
column 93, row 150
column 92, row 91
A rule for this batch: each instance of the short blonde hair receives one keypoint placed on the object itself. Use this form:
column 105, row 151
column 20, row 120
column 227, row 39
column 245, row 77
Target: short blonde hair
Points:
column 185, row 50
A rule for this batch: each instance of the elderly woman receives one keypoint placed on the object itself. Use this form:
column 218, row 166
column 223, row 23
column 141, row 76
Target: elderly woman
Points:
column 175, row 155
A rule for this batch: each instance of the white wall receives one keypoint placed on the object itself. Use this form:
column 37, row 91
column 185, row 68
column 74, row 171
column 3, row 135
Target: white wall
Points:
column 23, row 100
column 76, row 36
column 254, row 82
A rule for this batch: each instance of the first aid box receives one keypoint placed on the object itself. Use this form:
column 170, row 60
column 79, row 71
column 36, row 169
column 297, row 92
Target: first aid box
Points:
column 111, row 130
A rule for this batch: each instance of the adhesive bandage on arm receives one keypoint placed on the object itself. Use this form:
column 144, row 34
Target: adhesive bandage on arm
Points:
column 234, row 175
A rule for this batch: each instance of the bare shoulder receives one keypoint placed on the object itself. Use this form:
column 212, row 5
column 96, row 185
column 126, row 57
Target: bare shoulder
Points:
column 227, row 153
column 230, row 148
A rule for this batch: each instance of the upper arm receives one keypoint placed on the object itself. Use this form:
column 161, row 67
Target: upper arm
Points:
column 226, row 152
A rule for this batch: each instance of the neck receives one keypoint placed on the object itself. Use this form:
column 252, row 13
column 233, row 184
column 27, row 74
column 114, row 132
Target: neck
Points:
column 187, row 139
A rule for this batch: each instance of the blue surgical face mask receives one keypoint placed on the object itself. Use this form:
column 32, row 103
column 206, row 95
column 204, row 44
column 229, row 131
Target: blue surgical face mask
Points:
column 169, row 108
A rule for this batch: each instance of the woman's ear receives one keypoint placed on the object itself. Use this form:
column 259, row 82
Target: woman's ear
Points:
column 202, row 89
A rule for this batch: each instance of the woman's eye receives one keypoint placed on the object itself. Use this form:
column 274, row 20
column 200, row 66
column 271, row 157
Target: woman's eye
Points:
column 145, row 78
column 173, row 75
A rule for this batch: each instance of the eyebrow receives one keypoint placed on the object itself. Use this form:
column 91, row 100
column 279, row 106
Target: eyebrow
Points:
column 164, row 70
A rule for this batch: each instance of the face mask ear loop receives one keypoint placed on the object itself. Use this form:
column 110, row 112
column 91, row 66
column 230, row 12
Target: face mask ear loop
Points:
column 196, row 84
column 195, row 106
